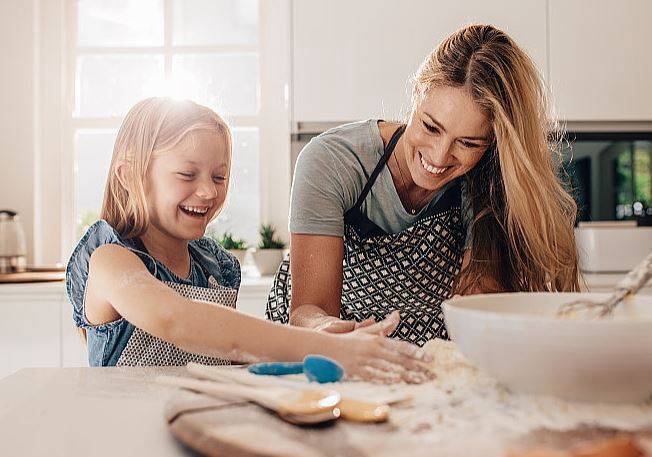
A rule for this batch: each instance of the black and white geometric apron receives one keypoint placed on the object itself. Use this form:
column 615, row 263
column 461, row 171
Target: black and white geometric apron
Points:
column 144, row 349
column 411, row 271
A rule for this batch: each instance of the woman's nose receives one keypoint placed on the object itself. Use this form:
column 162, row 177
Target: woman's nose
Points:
column 441, row 152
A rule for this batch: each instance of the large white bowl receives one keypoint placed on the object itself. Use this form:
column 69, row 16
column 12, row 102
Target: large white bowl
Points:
column 517, row 339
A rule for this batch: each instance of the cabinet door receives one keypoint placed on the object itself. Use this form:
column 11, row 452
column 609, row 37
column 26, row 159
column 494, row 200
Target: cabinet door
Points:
column 600, row 65
column 353, row 59
column 29, row 333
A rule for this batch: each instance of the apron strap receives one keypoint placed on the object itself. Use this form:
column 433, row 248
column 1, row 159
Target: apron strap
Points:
column 379, row 167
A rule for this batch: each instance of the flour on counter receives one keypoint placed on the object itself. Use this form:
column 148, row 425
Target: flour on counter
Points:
column 466, row 412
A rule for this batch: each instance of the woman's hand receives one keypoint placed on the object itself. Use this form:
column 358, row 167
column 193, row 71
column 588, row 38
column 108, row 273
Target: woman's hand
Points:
column 383, row 328
column 332, row 324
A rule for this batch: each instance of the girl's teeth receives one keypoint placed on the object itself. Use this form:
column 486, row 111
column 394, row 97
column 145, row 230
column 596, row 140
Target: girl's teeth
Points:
column 195, row 209
column 430, row 168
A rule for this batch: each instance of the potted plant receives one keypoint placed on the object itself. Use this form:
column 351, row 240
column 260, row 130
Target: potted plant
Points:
column 236, row 246
column 269, row 253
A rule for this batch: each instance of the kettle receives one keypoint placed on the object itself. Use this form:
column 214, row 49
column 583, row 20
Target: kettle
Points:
column 12, row 243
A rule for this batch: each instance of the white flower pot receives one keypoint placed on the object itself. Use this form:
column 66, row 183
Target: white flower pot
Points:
column 268, row 260
column 239, row 254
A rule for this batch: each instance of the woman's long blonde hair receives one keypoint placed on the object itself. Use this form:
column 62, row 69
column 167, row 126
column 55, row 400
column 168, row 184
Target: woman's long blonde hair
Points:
column 153, row 125
column 522, row 232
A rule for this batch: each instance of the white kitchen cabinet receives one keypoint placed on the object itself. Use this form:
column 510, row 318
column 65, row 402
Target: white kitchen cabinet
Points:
column 600, row 65
column 605, row 283
column 29, row 326
column 352, row 60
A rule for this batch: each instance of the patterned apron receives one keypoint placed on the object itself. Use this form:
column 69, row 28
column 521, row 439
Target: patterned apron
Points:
column 144, row 349
column 411, row 271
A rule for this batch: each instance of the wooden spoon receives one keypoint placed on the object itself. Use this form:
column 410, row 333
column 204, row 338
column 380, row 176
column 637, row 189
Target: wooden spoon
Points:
column 351, row 409
column 304, row 406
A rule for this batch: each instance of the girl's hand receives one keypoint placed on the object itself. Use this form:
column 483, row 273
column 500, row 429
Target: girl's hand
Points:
column 371, row 357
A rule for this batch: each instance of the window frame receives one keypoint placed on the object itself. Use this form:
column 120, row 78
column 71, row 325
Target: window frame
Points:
column 272, row 120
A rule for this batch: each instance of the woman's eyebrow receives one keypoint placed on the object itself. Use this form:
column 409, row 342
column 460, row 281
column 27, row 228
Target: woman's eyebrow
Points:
column 436, row 122
column 441, row 127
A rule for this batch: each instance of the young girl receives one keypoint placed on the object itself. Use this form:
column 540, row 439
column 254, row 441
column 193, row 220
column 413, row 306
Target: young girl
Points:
column 149, row 290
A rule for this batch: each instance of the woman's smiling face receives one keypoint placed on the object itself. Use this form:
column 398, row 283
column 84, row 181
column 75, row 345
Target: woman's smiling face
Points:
column 446, row 137
column 187, row 186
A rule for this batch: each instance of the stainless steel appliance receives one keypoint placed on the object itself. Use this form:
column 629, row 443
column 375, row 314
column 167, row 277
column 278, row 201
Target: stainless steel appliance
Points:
column 610, row 174
column 12, row 243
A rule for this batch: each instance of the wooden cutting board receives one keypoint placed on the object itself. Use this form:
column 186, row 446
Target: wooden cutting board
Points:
column 217, row 427
column 32, row 276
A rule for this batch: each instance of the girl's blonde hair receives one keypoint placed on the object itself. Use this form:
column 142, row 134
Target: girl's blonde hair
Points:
column 522, row 232
column 152, row 126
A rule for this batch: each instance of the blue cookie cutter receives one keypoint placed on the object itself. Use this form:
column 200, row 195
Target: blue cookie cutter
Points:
column 316, row 367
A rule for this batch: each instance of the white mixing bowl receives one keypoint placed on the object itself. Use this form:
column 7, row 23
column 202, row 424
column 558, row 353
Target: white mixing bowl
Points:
column 517, row 339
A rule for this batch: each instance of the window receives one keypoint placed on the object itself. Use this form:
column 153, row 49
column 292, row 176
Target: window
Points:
column 204, row 50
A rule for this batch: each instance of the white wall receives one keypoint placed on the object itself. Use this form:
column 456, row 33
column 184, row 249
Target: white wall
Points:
column 18, row 118
column 353, row 60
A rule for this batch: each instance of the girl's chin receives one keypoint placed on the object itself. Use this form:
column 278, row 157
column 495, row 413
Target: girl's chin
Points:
column 188, row 235
column 190, row 229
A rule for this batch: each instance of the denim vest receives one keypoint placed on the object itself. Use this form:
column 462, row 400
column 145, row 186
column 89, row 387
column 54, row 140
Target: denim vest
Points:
column 107, row 341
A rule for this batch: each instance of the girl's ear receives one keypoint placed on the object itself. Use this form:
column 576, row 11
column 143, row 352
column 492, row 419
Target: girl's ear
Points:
column 122, row 172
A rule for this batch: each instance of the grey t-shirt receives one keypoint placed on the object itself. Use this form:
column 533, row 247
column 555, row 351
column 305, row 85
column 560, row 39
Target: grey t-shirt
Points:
column 331, row 171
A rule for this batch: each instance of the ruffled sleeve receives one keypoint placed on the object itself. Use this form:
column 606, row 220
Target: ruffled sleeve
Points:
column 98, row 234
column 218, row 262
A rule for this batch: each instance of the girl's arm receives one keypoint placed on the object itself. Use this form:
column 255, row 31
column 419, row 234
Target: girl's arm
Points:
column 118, row 280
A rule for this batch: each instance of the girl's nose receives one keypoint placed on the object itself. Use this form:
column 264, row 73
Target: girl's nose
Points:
column 207, row 189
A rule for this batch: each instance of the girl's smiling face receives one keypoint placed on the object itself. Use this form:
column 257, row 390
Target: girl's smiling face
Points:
column 186, row 187
column 446, row 137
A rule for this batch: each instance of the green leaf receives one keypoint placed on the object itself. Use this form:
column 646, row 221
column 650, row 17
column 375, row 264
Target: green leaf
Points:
column 267, row 239
column 227, row 241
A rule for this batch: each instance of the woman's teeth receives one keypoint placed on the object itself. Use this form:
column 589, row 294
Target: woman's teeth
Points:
column 195, row 210
column 431, row 168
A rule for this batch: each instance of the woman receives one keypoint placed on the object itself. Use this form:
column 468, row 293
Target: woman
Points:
column 463, row 199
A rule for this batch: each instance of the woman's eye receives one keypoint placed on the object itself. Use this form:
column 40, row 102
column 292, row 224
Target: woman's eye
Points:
column 186, row 175
column 468, row 145
column 430, row 128
column 219, row 179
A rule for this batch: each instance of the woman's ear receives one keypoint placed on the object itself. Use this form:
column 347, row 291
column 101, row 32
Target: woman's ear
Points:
column 122, row 172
